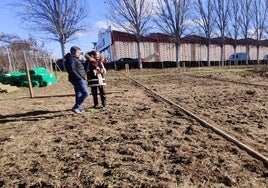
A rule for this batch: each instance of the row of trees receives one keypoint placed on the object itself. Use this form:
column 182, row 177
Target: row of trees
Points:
column 61, row 20
column 209, row 18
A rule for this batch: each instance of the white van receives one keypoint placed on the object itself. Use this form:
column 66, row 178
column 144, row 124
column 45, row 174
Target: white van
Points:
column 265, row 58
column 240, row 56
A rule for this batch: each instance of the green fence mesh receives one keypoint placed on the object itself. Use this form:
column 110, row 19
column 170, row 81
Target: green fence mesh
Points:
column 40, row 77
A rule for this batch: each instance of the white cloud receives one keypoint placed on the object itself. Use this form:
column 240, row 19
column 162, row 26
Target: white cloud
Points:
column 252, row 33
column 80, row 34
column 102, row 24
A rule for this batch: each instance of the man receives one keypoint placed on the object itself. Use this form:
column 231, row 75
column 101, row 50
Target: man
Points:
column 76, row 75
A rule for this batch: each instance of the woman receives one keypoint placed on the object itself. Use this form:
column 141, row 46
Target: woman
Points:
column 95, row 76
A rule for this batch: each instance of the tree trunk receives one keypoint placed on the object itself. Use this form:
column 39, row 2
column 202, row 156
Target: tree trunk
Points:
column 247, row 50
column 139, row 55
column 222, row 62
column 258, row 53
column 236, row 61
column 62, row 44
column 177, row 55
column 208, row 54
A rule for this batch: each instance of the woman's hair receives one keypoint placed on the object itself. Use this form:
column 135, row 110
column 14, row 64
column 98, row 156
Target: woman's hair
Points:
column 90, row 55
column 93, row 52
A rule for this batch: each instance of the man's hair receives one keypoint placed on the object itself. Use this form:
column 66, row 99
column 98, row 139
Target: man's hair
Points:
column 74, row 49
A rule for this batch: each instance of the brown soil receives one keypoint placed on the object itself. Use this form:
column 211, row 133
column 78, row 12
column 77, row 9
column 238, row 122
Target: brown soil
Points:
column 7, row 88
column 137, row 140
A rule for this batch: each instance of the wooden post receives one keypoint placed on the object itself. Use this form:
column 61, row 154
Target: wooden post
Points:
column 127, row 69
column 28, row 76
column 50, row 65
column 55, row 72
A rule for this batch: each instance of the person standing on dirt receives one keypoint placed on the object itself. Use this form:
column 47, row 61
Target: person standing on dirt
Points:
column 76, row 75
column 95, row 76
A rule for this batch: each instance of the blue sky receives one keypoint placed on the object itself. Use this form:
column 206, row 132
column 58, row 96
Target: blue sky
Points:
column 10, row 24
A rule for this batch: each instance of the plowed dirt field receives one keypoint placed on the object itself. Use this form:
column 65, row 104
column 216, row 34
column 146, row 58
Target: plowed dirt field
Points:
column 137, row 140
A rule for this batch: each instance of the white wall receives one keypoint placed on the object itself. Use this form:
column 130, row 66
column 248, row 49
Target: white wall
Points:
column 188, row 52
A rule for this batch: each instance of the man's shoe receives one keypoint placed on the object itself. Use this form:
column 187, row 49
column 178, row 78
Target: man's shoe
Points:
column 77, row 111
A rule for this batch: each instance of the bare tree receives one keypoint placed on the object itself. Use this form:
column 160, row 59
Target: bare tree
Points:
column 260, row 11
column 205, row 19
column 172, row 16
column 133, row 16
column 245, row 21
column 13, row 48
column 222, row 9
column 5, row 61
column 6, row 38
column 60, row 19
column 234, row 22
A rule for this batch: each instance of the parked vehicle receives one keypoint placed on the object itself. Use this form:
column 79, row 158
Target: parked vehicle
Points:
column 240, row 56
column 125, row 60
column 129, row 60
column 120, row 63
column 265, row 59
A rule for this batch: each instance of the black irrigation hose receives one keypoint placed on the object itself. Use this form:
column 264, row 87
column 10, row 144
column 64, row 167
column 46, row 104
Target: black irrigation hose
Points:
column 244, row 147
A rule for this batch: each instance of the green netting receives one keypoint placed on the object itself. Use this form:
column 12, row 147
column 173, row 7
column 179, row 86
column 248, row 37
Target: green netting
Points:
column 26, row 84
column 40, row 77
column 47, row 82
column 39, row 70
column 16, row 78
column 17, row 73
column 6, row 78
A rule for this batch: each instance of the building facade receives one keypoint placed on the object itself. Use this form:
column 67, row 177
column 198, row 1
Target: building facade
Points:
column 158, row 47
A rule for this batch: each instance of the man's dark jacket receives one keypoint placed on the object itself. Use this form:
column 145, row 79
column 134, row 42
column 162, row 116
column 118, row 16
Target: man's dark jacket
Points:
column 74, row 67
